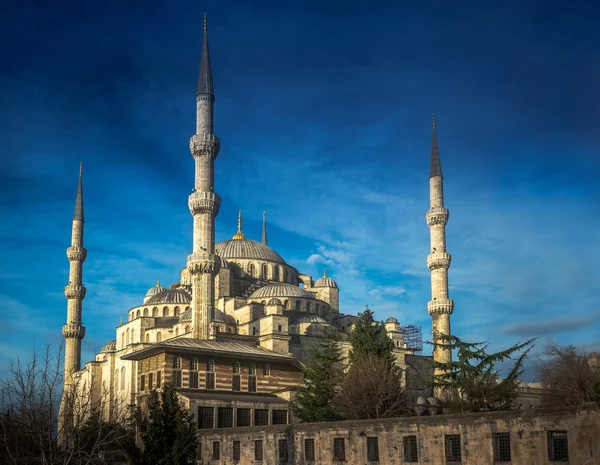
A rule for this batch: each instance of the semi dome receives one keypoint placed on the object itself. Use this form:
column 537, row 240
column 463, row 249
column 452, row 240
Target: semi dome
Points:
column 155, row 290
column 310, row 318
column 325, row 281
column 110, row 346
column 247, row 249
column 186, row 316
column 281, row 290
column 170, row 296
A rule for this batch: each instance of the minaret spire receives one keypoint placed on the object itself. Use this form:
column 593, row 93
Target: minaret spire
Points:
column 239, row 235
column 440, row 306
column 264, row 229
column 73, row 331
column 204, row 203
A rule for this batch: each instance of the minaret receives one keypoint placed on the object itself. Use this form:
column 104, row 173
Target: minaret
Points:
column 264, row 231
column 73, row 331
column 438, row 261
column 204, row 203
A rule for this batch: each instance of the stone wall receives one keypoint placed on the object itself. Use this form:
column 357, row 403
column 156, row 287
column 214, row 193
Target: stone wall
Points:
column 530, row 436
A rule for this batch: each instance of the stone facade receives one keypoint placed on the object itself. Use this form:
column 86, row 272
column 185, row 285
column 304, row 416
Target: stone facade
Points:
column 527, row 437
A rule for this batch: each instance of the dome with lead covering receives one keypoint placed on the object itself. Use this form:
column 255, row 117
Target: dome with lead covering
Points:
column 110, row 346
column 281, row 290
column 170, row 296
column 310, row 318
column 325, row 281
column 155, row 290
column 247, row 249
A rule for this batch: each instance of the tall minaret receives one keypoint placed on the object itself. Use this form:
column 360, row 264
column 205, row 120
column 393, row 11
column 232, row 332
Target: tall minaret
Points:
column 73, row 331
column 438, row 261
column 204, row 203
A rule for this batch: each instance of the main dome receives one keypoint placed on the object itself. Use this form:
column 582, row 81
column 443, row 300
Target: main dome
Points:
column 170, row 296
column 281, row 290
column 247, row 249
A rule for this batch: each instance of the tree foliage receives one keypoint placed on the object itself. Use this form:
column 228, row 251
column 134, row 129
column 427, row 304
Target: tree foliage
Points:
column 471, row 383
column 369, row 337
column 316, row 400
column 167, row 430
column 567, row 376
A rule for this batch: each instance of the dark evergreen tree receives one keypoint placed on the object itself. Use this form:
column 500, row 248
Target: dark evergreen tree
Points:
column 369, row 337
column 471, row 382
column 316, row 400
column 167, row 430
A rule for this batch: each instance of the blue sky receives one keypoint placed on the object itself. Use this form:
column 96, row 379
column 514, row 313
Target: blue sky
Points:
column 324, row 114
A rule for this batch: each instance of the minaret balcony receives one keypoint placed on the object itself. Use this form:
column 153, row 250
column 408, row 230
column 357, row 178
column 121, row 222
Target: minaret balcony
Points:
column 73, row 331
column 204, row 202
column 74, row 291
column 437, row 260
column 204, row 263
column 205, row 144
column 440, row 307
column 437, row 215
column 76, row 254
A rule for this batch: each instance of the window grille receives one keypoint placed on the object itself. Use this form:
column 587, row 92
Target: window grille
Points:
column 243, row 417
column 282, row 446
column 261, row 417
column 339, row 450
column 236, row 367
column 216, row 455
column 372, row 450
column 177, row 378
column 267, row 370
column 235, row 383
column 142, row 382
column 195, row 364
column 151, row 365
column 410, row 449
column 501, row 447
column 210, row 365
column 558, row 446
column 251, row 383
column 142, row 367
column 309, row 450
column 225, row 417
column 210, row 380
column 206, row 417
column 279, row 417
column 252, row 369
column 236, row 451
column 453, row 452
column 177, row 363
column 258, row 451
column 194, row 379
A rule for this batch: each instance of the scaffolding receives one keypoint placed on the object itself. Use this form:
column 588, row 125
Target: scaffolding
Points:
column 413, row 337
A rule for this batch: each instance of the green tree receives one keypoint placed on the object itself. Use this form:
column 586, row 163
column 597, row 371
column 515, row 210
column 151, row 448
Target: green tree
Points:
column 369, row 337
column 316, row 400
column 471, row 382
column 167, row 430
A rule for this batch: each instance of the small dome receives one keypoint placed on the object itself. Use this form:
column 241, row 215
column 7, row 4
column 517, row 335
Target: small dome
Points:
column 247, row 249
column 155, row 290
column 392, row 320
column 325, row 281
column 110, row 346
column 310, row 318
column 281, row 290
column 274, row 301
column 171, row 296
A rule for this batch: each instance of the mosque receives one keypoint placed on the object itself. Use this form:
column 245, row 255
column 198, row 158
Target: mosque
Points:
column 233, row 332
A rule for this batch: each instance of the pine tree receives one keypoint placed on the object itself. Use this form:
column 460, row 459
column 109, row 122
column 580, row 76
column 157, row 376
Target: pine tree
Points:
column 167, row 430
column 471, row 382
column 316, row 400
column 369, row 337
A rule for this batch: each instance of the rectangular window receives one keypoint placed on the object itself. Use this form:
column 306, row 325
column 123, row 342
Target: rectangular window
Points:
column 258, row 451
column 501, row 447
column 216, row 455
column 261, row 417
column 194, row 379
column 235, row 383
column 150, row 379
column 210, row 380
column 372, row 450
column 452, row 444
column 558, row 446
column 243, row 417
column 177, row 378
column 410, row 449
column 142, row 382
column 236, row 451
column 225, row 417
column 309, row 450
column 158, row 379
column 251, row 383
column 282, row 446
column 279, row 417
column 206, row 417
column 339, row 450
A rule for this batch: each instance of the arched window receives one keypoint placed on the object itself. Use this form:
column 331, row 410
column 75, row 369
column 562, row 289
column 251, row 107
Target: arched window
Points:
column 252, row 378
column 176, row 374
column 145, row 312
column 195, row 364
column 151, row 365
column 127, row 336
column 155, row 311
column 275, row 273
column 165, row 311
column 158, row 363
column 267, row 370
column 158, row 337
column 264, row 273
column 147, row 337
column 308, row 307
column 176, row 311
column 236, row 367
column 210, row 374
column 287, row 304
column 193, row 378
column 122, row 378
column 210, row 365
column 142, row 367
column 123, row 339
column 137, row 314
column 177, row 363
column 298, row 305
column 252, row 369
column 251, row 269
column 176, row 331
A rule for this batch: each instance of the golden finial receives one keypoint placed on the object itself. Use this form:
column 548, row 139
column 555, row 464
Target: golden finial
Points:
column 433, row 120
column 205, row 23
column 239, row 235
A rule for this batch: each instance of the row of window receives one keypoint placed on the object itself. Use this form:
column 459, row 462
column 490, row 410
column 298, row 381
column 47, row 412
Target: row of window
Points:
column 558, row 450
column 156, row 312
column 262, row 272
column 228, row 417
